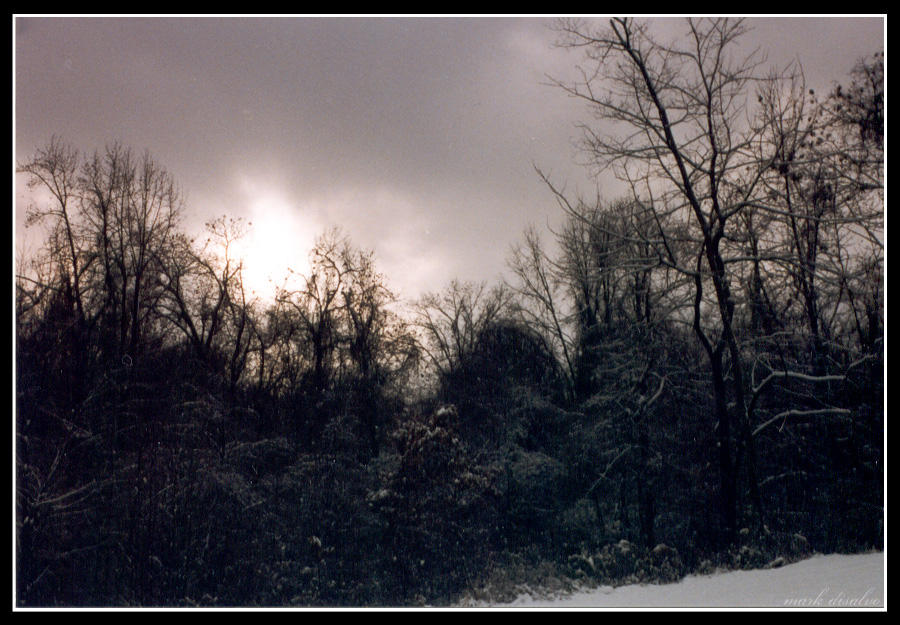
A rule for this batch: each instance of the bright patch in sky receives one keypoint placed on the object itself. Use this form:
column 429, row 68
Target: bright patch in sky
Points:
column 279, row 238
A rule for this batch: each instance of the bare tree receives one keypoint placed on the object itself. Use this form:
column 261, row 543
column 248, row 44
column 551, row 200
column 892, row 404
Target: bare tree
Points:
column 55, row 170
column 340, row 330
column 317, row 304
column 132, row 209
column 679, row 127
column 205, row 296
column 453, row 321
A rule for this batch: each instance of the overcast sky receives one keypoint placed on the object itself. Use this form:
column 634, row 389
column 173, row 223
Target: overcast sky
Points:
column 417, row 136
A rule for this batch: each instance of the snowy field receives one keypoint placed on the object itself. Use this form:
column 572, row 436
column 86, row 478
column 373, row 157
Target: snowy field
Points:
column 821, row 582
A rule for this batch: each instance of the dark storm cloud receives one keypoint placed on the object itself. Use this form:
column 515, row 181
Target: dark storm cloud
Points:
column 416, row 135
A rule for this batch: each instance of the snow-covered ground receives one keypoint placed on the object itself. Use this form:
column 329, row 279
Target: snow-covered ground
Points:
column 820, row 582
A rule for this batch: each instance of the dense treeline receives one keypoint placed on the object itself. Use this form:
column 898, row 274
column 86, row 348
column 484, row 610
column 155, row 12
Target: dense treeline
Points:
column 687, row 376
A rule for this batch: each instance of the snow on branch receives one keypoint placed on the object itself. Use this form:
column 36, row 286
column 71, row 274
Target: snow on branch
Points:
column 796, row 375
column 655, row 396
column 800, row 413
column 609, row 466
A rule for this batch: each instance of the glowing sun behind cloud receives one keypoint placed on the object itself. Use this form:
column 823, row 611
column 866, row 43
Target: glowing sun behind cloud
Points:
column 279, row 237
